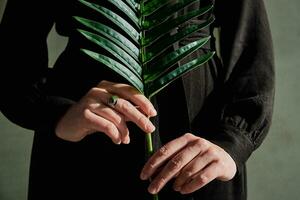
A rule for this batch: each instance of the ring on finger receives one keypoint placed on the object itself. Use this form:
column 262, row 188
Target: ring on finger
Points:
column 112, row 101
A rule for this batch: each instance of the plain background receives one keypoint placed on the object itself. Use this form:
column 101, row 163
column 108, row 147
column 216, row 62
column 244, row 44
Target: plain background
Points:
column 273, row 170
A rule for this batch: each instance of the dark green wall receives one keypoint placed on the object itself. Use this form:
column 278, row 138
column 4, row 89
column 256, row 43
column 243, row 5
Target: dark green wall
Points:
column 273, row 170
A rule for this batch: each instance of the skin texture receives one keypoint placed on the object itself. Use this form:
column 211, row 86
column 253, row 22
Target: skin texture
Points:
column 191, row 160
column 92, row 114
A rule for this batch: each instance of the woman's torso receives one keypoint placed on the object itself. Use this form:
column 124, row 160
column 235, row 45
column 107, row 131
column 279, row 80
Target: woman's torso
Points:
column 93, row 167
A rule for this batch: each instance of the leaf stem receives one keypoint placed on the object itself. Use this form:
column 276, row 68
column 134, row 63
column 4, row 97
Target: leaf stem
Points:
column 149, row 144
column 155, row 197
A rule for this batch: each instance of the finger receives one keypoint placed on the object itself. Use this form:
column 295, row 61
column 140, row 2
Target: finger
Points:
column 174, row 166
column 126, row 108
column 130, row 112
column 164, row 154
column 208, row 174
column 123, row 106
column 100, row 124
column 113, row 116
column 196, row 165
column 132, row 94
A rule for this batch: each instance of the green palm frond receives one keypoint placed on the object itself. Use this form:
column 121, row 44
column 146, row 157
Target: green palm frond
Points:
column 139, row 40
column 140, row 53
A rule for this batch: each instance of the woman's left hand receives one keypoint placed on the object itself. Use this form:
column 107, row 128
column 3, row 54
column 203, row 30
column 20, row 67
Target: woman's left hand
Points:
column 192, row 160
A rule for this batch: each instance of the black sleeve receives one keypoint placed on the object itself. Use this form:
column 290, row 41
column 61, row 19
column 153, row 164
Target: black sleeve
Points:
column 248, row 84
column 24, row 63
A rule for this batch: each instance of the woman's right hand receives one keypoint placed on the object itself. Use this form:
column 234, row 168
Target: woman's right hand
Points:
column 92, row 114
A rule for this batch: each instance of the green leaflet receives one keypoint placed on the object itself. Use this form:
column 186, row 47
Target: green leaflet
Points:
column 116, row 19
column 118, row 68
column 161, row 66
column 133, row 5
column 116, row 51
column 165, row 27
column 113, row 35
column 165, row 13
column 164, row 81
column 127, row 10
column 150, row 6
column 166, row 41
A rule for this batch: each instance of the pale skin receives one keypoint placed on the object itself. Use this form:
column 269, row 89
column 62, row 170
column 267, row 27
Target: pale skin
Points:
column 191, row 160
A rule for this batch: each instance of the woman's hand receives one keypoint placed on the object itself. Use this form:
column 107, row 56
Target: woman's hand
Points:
column 92, row 114
column 192, row 160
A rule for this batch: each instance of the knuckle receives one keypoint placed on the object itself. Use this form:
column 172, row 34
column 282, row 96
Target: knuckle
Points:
column 162, row 181
column 144, row 101
column 191, row 148
column 202, row 142
column 103, row 83
column 109, row 127
column 118, row 120
column 203, row 178
column 163, row 151
column 93, row 91
column 212, row 152
column 142, row 120
column 86, row 114
column 92, row 106
column 151, row 165
column 131, row 89
column 221, row 163
column 187, row 173
column 176, row 163
column 125, row 106
column 189, row 136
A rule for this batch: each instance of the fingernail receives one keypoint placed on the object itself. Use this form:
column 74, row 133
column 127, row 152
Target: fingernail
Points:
column 152, row 189
column 153, row 112
column 143, row 176
column 150, row 127
column 183, row 192
column 118, row 142
column 127, row 141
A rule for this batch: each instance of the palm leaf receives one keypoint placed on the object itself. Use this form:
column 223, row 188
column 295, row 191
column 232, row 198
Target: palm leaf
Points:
column 113, row 35
column 126, row 10
column 165, row 42
column 118, row 53
column 164, row 28
column 138, row 39
column 138, row 47
column 118, row 68
column 162, row 82
column 166, row 12
column 133, row 5
column 114, row 18
column 162, row 65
